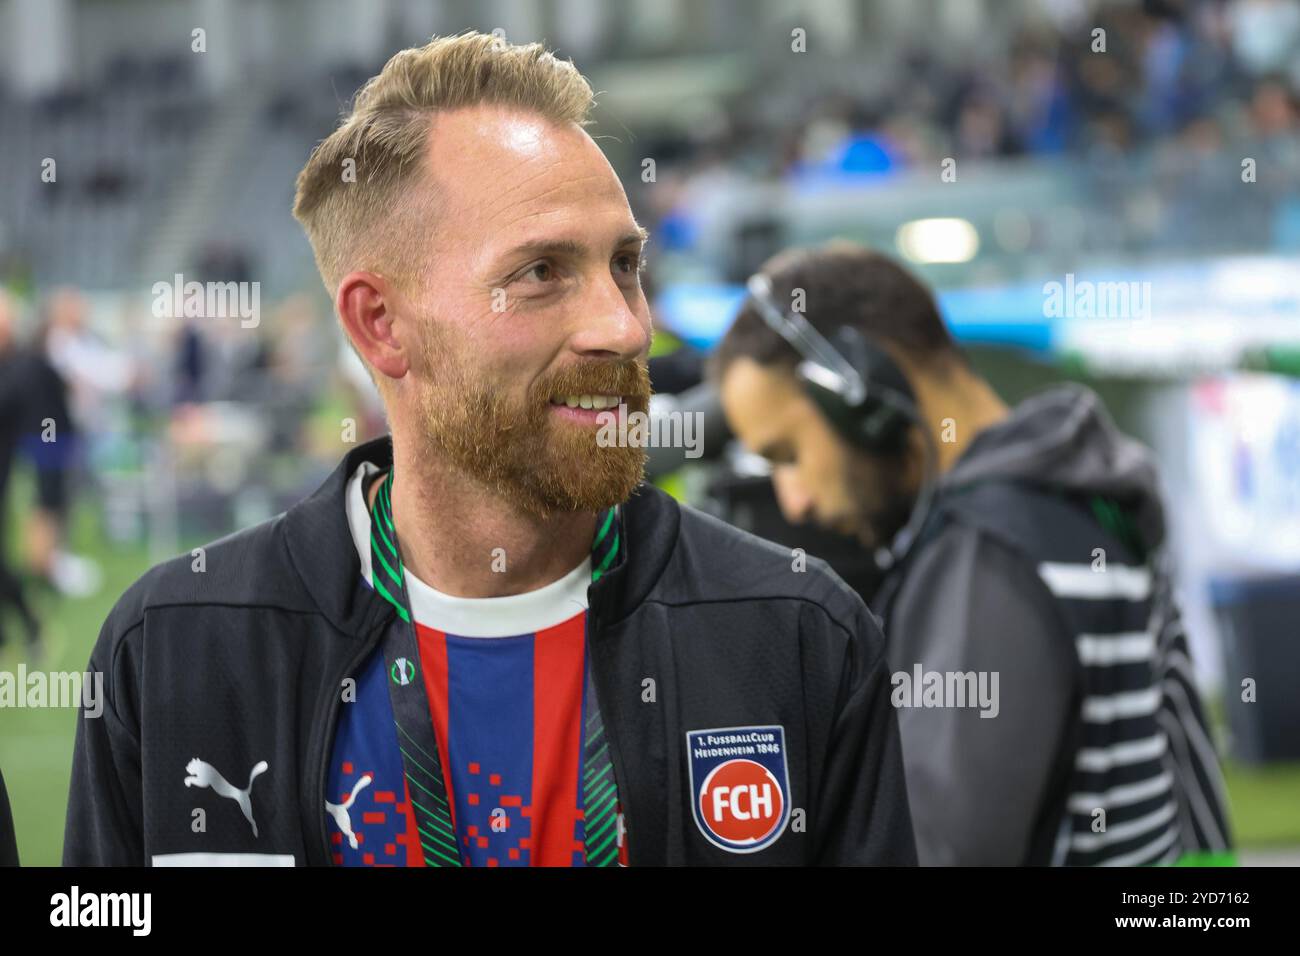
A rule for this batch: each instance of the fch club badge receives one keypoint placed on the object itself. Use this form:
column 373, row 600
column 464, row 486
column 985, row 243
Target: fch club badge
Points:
column 740, row 786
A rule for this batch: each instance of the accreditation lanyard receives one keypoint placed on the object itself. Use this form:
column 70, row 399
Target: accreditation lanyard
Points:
column 416, row 738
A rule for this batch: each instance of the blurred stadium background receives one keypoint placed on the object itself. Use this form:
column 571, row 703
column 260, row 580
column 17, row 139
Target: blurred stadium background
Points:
column 1128, row 165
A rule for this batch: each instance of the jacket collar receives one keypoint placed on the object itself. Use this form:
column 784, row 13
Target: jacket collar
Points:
column 651, row 520
column 320, row 548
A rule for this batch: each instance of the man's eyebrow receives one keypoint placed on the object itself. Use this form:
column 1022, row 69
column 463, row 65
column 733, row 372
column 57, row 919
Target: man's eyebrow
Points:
column 570, row 247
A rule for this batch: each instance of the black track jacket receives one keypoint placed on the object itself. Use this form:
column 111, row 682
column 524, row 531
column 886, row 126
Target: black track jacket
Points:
column 701, row 627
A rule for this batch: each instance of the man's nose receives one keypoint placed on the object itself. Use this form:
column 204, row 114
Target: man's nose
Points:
column 609, row 326
column 794, row 500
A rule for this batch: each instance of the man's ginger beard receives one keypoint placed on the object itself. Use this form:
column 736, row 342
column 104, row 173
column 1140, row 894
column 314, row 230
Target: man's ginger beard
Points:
column 524, row 452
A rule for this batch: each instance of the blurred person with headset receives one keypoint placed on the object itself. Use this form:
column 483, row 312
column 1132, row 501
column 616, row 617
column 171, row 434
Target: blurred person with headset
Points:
column 1023, row 542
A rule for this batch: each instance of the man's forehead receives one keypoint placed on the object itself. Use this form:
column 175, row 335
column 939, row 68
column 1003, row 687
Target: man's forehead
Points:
column 504, row 168
column 498, row 134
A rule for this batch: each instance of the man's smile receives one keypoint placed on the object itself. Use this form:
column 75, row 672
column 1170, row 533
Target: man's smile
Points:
column 584, row 409
column 596, row 402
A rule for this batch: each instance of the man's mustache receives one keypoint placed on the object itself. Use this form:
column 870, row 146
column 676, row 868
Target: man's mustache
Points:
column 628, row 379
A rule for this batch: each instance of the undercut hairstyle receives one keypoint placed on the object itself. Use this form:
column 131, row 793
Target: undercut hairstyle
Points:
column 843, row 284
column 371, row 219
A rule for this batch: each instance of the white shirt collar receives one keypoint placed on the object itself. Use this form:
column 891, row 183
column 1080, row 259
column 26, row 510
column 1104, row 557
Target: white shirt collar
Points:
column 507, row 616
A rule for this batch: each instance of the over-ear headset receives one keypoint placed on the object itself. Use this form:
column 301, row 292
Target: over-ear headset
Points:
column 861, row 391
column 855, row 383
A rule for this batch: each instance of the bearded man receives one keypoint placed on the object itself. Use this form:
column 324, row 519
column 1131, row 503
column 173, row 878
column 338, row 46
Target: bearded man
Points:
column 485, row 641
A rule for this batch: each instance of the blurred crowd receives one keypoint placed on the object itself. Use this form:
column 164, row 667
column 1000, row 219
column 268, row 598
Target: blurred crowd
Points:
column 1127, row 76
column 1167, row 83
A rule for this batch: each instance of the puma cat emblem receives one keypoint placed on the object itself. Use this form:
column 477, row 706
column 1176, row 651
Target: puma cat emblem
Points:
column 203, row 774
column 339, row 811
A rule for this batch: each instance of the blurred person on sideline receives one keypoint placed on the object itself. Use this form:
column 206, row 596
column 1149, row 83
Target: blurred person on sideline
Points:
column 23, row 374
column 89, row 373
column 8, row 839
column 1025, row 559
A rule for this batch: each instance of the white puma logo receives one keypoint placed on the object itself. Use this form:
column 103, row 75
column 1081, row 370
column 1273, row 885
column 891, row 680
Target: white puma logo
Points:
column 339, row 811
column 203, row 774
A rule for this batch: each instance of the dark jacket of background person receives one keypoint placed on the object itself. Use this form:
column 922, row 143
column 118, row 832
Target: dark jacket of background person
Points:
column 972, row 597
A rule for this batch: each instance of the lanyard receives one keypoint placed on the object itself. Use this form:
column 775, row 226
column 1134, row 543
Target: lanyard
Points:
column 415, row 734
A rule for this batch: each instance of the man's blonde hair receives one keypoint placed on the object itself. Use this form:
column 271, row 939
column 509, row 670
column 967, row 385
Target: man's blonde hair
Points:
column 363, row 223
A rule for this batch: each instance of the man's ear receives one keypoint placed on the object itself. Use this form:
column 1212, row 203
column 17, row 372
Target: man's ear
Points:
column 365, row 304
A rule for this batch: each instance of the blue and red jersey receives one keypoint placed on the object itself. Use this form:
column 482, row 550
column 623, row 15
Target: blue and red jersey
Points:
column 508, row 707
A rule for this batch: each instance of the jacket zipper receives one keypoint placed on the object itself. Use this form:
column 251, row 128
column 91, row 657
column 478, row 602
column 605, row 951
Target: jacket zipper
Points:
column 619, row 784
